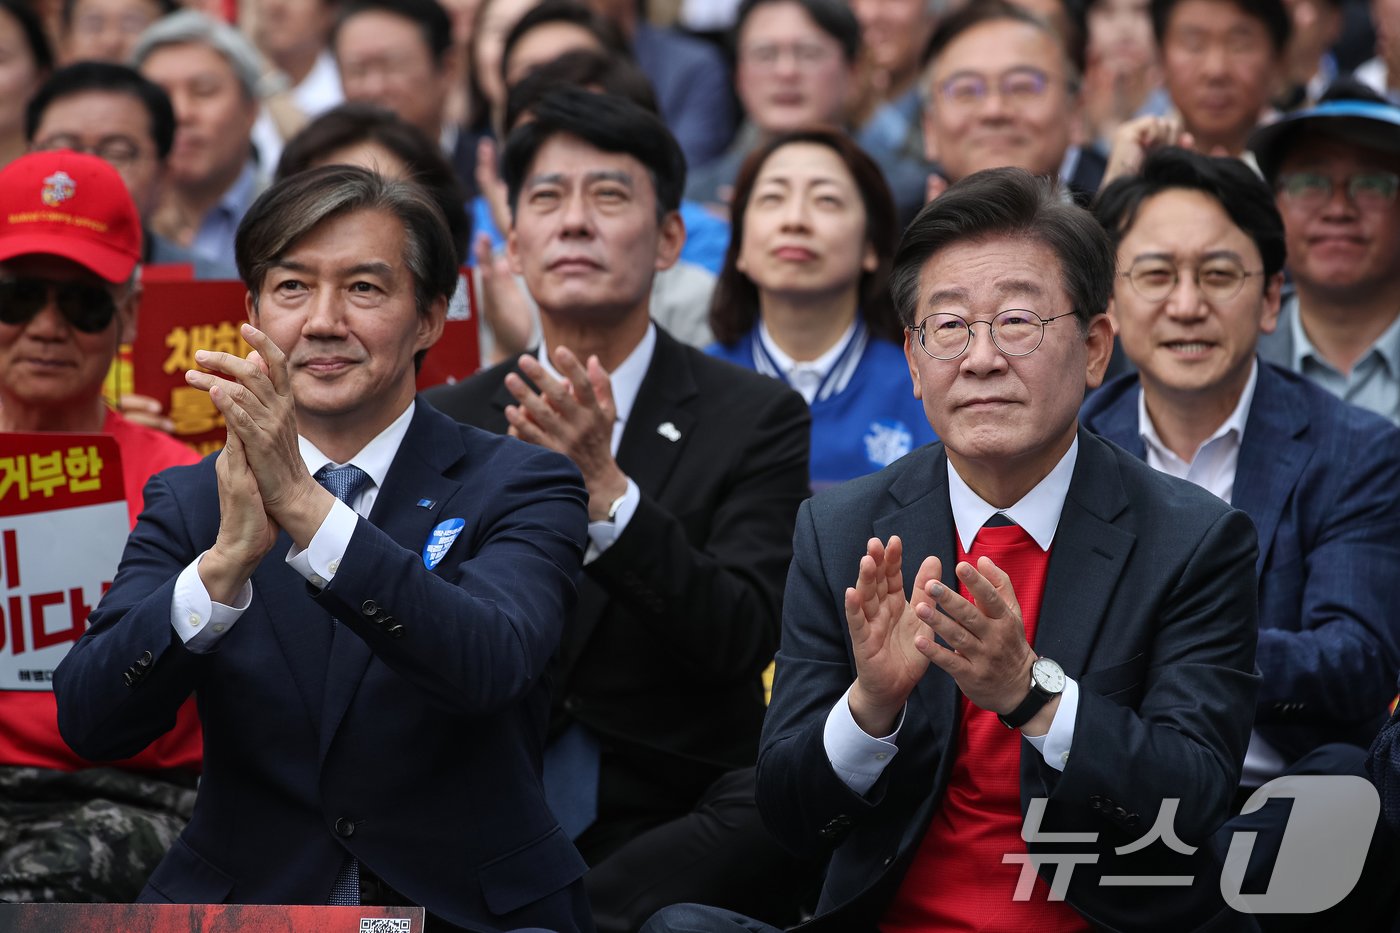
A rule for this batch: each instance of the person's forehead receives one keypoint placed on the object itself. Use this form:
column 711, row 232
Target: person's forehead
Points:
column 780, row 20
column 1221, row 15
column 382, row 30
column 97, row 112
column 992, row 264
column 1186, row 218
column 1317, row 149
column 569, row 157
column 188, row 59
column 998, row 45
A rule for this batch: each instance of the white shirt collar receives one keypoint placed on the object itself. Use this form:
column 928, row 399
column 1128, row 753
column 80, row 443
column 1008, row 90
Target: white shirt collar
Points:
column 626, row 378
column 821, row 365
column 1038, row 511
column 1233, row 426
column 374, row 458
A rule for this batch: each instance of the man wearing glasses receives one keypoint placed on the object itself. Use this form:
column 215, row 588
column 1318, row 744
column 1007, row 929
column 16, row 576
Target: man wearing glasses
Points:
column 1201, row 253
column 1077, row 655
column 1333, row 168
column 1001, row 88
column 70, row 240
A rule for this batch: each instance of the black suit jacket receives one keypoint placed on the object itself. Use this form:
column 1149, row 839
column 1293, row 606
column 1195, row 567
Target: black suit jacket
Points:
column 1148, row 604
column 677, row 619
column 409, row 734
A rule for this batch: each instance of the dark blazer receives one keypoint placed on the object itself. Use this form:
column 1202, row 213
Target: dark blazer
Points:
column 677, row 619
column 409, row 734
column 1321, row 480
column 1148, row 604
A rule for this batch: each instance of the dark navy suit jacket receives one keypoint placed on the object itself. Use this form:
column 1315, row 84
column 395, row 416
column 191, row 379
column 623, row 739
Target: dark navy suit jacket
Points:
column 409, row 734
column 1321, row 480
column 1148, row 604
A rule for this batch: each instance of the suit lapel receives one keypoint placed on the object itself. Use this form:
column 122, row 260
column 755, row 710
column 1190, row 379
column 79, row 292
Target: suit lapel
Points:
column 659, row 426
column 1086, row 559
column 432, row 445
column 1272, row 455
column 1119, row 421
column 923, row 519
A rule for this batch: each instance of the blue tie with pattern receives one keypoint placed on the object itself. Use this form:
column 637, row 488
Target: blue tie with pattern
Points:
column 343, row 483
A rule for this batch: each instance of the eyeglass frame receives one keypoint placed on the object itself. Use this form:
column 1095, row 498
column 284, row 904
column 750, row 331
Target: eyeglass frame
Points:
column 1281, row 187
column 919, row 330
column 765, row 56
column 1195, row 277
column 1046, row 80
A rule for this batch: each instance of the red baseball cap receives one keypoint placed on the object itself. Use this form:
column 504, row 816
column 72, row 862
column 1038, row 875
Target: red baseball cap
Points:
column 73, row 205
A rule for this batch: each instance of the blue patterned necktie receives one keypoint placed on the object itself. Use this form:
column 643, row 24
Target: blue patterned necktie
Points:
column 343, row 483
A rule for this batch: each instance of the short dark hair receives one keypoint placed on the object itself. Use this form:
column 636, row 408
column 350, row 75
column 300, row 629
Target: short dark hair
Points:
column 1233, row 185
column 606, row 122
column 609, row 36
column 980, row 12
column 428, row 15
column 1271, row 13
column 734, row 306
column 293, row 207
column 355, row 123
column 107, row 78
column 34, row 35
column 582, row 68
column 832, row 16
column 1009, row 202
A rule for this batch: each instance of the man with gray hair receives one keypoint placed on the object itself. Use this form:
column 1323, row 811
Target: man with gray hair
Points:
column 211, row 73
column 362, row 595
column 1077, row 653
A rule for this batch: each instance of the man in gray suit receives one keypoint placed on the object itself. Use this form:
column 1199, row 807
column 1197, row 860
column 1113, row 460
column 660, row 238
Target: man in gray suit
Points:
column 1077, row 656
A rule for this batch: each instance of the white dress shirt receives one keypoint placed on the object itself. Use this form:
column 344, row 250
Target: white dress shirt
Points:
column 201, row 622
column 626, row 382
column 1213, row 469
column 807, row 376
column 858, row 758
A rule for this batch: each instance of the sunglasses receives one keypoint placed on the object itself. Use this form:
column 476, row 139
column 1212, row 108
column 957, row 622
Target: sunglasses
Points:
column 89, row 308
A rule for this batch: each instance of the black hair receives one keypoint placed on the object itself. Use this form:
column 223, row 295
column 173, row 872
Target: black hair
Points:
column 1009, row 202
column 108, row 78
column 1271, row 13
column 1233, row 185
column 606, row 122
column 354, row 123
column 832, row 16
column 582, row 68
column 980, row 12
column 428, row 15
column 609, row 36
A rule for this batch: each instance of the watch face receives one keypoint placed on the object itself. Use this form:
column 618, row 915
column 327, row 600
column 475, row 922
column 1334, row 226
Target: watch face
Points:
column 1048, row 676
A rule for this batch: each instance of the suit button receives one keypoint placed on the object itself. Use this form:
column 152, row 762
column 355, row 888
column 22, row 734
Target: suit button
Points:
column 888, row 860
column 129, row 676
column 572, row 704
column 344, row 828
column 394, row 631
column 369, row 608
column 1120, row 813
column 145, row 659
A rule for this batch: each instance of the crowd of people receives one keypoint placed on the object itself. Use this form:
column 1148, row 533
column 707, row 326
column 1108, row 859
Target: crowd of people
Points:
column 934, row 464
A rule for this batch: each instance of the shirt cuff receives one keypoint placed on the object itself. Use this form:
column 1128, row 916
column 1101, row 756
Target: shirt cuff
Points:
column 857, row 758
column 319, row 562
column 197, row 619
column 1054, row 745
column 601, row 535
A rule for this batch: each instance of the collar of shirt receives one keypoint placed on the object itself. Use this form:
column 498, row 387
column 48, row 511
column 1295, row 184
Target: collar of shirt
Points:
column 1230, row 433
column 1038, row 511
column 805, row 376
column 1386, row 347
column 374, row 458
column 216, row 231
column 320, row 90
column 626, row 379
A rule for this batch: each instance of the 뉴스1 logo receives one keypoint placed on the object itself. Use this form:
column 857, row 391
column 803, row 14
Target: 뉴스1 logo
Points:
column 58, row 187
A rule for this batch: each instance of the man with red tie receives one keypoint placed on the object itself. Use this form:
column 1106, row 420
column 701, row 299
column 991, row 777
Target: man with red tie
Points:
column 1074, row 671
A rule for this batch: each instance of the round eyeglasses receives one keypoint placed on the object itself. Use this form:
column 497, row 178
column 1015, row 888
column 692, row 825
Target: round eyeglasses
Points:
column 1015, row 332
column 1218, row 279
